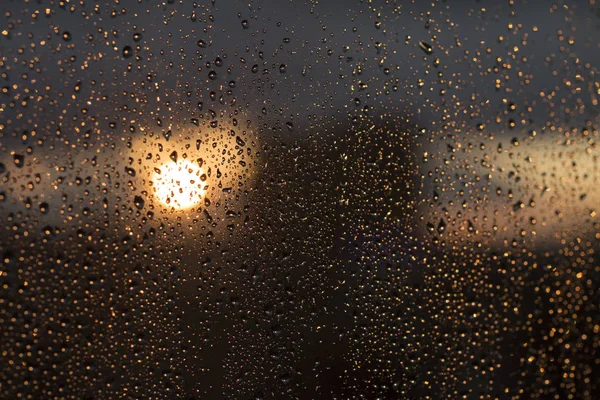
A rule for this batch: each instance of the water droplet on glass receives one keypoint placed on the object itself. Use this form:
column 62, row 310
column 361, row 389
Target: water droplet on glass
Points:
column 44, row 208
column 19, row 160
column 426, row 47
column 138, row 202
column 127, row 51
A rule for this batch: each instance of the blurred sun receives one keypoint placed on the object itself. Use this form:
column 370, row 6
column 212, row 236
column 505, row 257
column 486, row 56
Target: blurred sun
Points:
column 178, row 184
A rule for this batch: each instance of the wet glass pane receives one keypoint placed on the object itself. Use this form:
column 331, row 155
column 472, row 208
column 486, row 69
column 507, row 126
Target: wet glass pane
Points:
column 267, row 199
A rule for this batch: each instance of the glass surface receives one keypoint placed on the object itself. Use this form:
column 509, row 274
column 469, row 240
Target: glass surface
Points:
column 267, row 199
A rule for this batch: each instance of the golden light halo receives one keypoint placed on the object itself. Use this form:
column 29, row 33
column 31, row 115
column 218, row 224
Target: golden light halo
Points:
column 195, row 167
column 179, row 184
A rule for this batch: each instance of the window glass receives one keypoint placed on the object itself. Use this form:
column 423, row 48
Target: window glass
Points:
column 299, row 199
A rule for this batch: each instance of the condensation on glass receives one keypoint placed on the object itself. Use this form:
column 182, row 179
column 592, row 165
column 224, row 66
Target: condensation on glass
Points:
column 299, row 199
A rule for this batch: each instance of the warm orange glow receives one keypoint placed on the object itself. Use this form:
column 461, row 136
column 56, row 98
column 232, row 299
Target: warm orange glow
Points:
column 179, row 184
